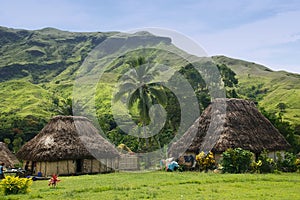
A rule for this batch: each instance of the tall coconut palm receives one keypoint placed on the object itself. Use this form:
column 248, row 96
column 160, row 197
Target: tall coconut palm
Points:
column 142, row 90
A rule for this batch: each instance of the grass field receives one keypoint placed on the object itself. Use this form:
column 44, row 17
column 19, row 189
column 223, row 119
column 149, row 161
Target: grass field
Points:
column 169, row 185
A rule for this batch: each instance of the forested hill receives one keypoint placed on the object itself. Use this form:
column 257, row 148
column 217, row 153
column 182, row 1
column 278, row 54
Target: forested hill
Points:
column 38, row 68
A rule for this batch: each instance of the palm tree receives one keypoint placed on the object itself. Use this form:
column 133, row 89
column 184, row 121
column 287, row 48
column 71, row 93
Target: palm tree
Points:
column 142, row 90
column 64, row 107
column 67, row 106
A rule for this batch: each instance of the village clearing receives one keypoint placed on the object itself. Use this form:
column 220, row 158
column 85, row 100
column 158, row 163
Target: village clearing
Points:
column 168, row 185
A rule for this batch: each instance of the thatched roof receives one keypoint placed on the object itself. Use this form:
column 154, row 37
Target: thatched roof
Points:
column 242, row 125
column 67, row 138
column 7, row 157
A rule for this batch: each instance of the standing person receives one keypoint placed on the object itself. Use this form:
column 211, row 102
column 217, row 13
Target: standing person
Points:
column 2, row 171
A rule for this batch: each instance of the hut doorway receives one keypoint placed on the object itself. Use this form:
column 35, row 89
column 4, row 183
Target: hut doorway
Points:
column 79, row 164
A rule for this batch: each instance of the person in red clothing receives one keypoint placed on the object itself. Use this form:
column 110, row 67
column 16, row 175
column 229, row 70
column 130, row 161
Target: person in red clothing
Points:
column 53, row 181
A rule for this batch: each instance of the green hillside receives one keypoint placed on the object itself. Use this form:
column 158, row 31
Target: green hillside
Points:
column 24, row 98
column 38, row 69
column 267, row 87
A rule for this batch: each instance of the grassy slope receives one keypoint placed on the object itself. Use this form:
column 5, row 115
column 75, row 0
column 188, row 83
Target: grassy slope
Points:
column 24, row 98
column 273, row 86
column 49, row 59
column 38, row 65
column 165, row 185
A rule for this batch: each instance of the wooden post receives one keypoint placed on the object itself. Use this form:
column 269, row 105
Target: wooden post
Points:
column 91, row 165
column 45, row 168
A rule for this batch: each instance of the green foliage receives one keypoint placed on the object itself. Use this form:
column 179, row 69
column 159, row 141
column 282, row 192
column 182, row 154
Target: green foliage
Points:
column 285, row 128
column 266, row 87
column 236, row 160
column 16, row 130
column 288, row 163
column 298, row 164
column 15, row 185
column 281, row 107
column 228, row 76
column 264, row 164
column 206, row 161
column 37, row 84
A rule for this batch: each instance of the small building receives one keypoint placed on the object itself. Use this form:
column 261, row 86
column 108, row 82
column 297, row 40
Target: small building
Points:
column 7, row 157
column 230, row 123
column 69, row 145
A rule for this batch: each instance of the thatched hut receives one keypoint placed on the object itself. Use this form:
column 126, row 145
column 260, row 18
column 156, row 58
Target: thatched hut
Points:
column 240, row 124
column 7, row 157
column 69, row 145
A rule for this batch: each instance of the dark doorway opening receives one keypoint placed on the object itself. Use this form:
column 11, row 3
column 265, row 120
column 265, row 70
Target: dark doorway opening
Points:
column 79, row 164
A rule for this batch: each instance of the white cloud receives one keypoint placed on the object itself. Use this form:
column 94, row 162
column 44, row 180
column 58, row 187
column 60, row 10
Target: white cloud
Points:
column 255, row 40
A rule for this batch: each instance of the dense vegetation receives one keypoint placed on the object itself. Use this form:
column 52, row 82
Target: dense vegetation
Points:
column 37, row 70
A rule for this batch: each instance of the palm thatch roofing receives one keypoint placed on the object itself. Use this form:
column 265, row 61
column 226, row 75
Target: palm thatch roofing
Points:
column 7, row 157
column 240, row 125
column 67, row 138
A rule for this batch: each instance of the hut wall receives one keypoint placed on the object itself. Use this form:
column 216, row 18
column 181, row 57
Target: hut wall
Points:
column 68, row 167
column 52, row 168
column 96, row 166
column 103, row 164
column 91, row 166
column 40, row 167
column 86, row 166
column 57, row 167
column 72, row 166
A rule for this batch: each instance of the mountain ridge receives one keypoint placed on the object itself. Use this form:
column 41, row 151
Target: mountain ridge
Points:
column 49, row 55
column 46, row 62
column 38, row 69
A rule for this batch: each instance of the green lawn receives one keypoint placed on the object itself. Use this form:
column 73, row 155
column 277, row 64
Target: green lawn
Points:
column 168, row 185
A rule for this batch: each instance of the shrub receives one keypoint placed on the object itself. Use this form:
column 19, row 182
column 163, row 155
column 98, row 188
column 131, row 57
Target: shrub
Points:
column 288, row 163
column 236, row 160
column 264, row 164
column 298, row 164
column 15, row 185
column 206, row 161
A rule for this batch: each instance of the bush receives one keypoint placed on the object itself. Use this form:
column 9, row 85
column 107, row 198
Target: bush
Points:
column 15, row 185
column 298, row 164
column 236, row 160
column 288, row 163
column 264, row 164
column 206, row 161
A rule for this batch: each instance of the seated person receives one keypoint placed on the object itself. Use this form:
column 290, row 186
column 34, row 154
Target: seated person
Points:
column 173, row 166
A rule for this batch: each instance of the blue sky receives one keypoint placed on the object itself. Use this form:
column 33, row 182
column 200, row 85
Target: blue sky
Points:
column 261, row 31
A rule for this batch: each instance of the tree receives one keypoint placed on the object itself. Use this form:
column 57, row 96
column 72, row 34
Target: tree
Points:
column 284, row 127
column 142, row 90
column 65, row 108
column 281, row 106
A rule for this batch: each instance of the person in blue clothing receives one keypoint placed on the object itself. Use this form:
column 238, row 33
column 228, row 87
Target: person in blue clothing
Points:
column 173, row 166
column 2, row 171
